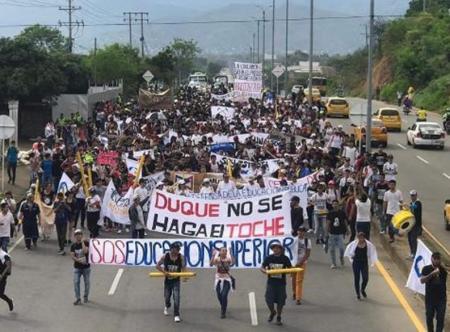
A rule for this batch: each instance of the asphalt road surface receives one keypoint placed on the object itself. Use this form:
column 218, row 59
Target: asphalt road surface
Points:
column 41, row 285
column 426, row 170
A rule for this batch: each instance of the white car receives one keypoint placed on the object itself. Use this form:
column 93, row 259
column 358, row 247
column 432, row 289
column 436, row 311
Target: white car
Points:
column 426, row 134
column 296, row 89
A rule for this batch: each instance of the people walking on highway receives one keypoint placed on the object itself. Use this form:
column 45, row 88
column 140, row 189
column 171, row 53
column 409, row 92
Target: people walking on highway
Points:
column 319, row 200
column 361, row 252
column 434, row 277
column 136, row 215
column 12, row 206
column 12, row 155
column 62, row 220
column 5, row 271
column 79, row 252
column 296, row 215
column 390, row 169
column 303, row 252
column 29, row 214
column 363, row 214
column 393, row 201
column 6, row 222
column 93, row 205
column 172, row 261
column 350, row 211
column 47, row 197
column 276, row 283
column 337, row 228
column 381, row 186
column 416, row 208
column 421, row 115
column 223, row 260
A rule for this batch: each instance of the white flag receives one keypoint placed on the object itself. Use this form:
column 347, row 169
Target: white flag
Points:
column 422, row 258
column 65, row 184
column 115, row 206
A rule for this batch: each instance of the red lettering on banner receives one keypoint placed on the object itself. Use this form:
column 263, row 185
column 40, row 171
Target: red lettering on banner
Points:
column 232, row 227
column 186, row 207
column 260, row 228
column 276, row 228
column 255, row 226
column 245, row 230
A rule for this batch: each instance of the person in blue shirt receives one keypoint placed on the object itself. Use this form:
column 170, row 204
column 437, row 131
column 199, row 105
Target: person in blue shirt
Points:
column 47, row 168
column 11, row 158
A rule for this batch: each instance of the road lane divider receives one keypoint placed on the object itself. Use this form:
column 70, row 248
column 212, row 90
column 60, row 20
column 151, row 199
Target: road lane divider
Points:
column 115, row 282
column 401, row 146
column 446, row 175
column 423, row 160
column 398, row 294
column 252, row 304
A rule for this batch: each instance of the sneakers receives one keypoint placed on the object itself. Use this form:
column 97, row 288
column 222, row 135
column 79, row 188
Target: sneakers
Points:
column 85, row 300
column 166, row 311
column 61, row 252
column 77, row 302
column 177, row 319
column 382, row 232
column 310, row 231
column 333, row 267
column 298, row 302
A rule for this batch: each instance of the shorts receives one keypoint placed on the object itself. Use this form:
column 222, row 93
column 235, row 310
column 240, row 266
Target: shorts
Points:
column 276, row 294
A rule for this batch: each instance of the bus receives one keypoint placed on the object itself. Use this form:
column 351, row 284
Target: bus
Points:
column 319, row 83
column 199, row 81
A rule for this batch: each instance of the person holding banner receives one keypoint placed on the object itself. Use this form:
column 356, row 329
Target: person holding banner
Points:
column 276, row 283
column 173, row 261
column 361, row 252
column 434, row 277
column 224, row 282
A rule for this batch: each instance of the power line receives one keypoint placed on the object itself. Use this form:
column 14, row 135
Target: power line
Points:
column 70, row 9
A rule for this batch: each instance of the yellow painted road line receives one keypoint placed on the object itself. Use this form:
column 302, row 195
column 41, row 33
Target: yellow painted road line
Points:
column 436, row 240
column 398, row 294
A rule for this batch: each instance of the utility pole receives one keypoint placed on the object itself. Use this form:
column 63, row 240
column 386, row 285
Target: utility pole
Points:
column 369, row 79
column 253, row 48
column 286, row 72
column 257, row 23
column 273, row 45
column 311, row 50
column 129, row 20
column 251, row 54
column 70, row 9
column 264, row 44
column 142, row 19
column 95, row 61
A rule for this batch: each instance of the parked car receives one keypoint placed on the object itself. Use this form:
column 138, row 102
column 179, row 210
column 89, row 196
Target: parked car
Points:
column 426, row 134
column 390, row 117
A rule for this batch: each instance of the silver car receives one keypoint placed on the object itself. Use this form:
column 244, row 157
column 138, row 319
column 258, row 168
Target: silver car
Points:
column 426, row 134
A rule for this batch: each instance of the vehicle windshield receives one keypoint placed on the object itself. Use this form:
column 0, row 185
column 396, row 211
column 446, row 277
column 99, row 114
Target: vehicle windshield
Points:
column 338, row 102
column 389, row 113
column 198, row 79
column 429, row 127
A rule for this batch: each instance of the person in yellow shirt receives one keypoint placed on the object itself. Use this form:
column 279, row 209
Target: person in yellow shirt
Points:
column 447, row 214
column 421, row 115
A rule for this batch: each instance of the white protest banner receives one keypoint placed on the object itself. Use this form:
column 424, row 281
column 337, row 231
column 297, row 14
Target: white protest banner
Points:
column 152, row 180
column 65, row 184
column 226, row 112
column 422, row 258
column 132, row 166
column 262, row 216
column 248, row 80
column 248, row 253
column 226, row 97
column 259, row 138
column 115, row 206
column 245, row 165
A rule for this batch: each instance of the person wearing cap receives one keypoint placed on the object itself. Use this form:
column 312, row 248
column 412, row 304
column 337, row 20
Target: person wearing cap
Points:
column 415, row 207
column 296, row 215
column 6, row 222
column 434, row 276
column 276, row 283
column 206, row 187
column 392, row 202
column 136, row 215
column 5, row 271
column 62, row 219
column 93, row 205
column 29, row 213
column 172, row 261
column 79, row 251
column 303, row 252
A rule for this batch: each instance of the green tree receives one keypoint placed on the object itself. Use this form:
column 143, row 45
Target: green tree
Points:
column 44, row 38
column 162, row 65
column 184, row 53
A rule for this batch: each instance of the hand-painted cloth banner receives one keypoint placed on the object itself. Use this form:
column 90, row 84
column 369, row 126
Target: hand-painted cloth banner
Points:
column 65, row 184
column 271, row 165
column 249, row 253
column 226, row 112
column 262, row 216
column 108, row 158
column 115, row 206
column 248, row 80
column 422, row 258
column 226, row 97
column 221, row 147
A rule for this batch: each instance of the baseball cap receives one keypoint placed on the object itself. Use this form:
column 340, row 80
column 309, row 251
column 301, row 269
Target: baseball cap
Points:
column 413, row 192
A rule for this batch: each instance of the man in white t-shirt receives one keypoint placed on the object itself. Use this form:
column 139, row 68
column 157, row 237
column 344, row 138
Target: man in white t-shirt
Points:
column 350, row 152
column 6, row 222
column 392, row 202
column 319, row 200
column 390, row 169
column 303, row 252
column 226, row 185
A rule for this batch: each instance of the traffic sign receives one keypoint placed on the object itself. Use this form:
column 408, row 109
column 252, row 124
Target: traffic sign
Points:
column 278, row 71
column 148, row 76
column 7, row 127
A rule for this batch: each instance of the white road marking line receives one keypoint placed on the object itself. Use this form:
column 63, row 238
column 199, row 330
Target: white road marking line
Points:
column 115, row 282
column 403, row 147
column 252, row 303
column 423, row 160
column 446, row 175
column 16, row 244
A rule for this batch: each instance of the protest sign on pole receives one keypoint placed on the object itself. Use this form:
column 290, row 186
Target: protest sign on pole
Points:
column 65, row 184
column 262, row 216
column 248, row 80
column 226, row 112
column 248, row 253
column 422, row 258
column 108, row 158
column 115, row 206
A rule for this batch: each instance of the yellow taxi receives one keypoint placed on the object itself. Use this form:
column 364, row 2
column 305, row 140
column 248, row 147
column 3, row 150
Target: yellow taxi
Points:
column 390, row 117
column 337, row 106
column 379, row 134
column 315, row 94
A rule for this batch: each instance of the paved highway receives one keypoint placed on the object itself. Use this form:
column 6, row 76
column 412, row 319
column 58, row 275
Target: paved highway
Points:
column 425, row 169
column 42, row 288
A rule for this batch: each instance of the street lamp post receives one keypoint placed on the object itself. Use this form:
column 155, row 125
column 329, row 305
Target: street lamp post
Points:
column 311, row 50
column 257, row 23
column 254, row 48
column 286, row 73
column 369, row 79
column 264, row 44
column 273, row 44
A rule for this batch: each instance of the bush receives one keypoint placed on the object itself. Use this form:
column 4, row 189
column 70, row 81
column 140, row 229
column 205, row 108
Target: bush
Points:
column 389, row 91
column 436, row 96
